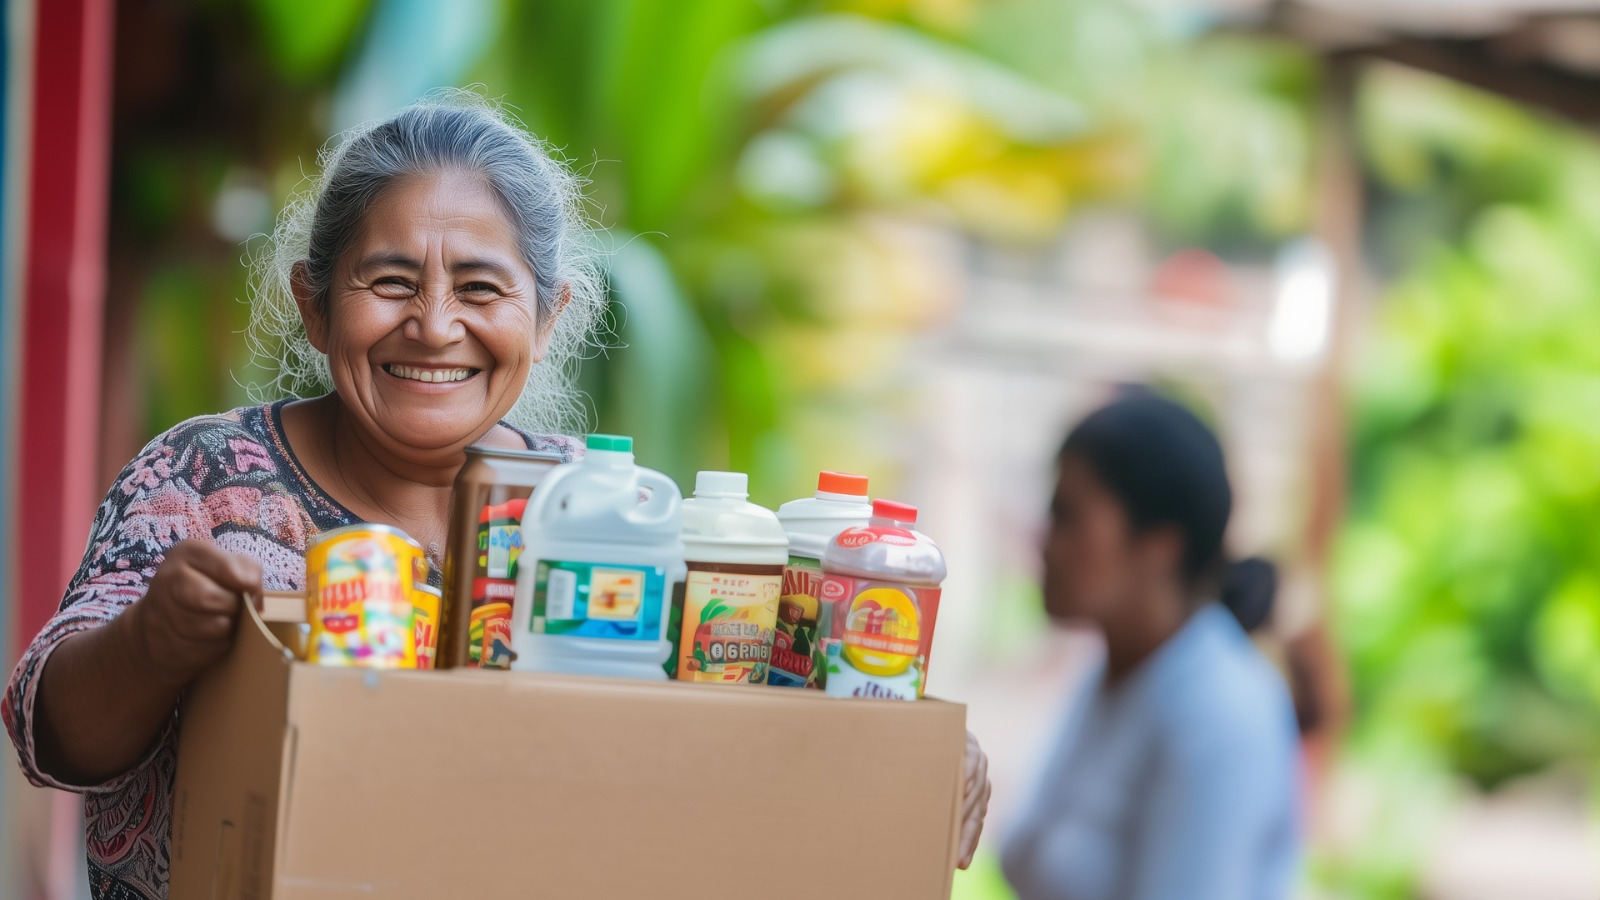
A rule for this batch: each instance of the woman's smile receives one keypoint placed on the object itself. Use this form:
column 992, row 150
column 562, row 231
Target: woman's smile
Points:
column 431, row 377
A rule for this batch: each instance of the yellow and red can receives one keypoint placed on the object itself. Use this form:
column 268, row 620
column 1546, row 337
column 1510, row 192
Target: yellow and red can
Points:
column 361, row 583
column 425, row 600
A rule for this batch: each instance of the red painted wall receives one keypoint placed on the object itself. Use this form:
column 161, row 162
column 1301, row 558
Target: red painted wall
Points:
column 62, row 296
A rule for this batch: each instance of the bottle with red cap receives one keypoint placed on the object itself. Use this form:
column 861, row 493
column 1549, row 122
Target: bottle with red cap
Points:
column 811, row 522
column 882, row 582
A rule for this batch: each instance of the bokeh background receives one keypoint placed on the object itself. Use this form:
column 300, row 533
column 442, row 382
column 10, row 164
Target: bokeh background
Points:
column 917, row 238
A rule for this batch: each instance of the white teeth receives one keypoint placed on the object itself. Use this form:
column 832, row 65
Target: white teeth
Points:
column 430, row 376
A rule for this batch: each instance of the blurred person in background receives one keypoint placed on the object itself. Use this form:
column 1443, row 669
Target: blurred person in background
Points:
column 439, row 279
column 1174, row 775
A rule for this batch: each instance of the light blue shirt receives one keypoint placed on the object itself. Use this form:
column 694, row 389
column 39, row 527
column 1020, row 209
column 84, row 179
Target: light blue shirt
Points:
column 1180, row 783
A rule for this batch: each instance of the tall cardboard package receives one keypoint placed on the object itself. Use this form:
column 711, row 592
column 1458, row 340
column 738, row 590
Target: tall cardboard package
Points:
column 298, row 781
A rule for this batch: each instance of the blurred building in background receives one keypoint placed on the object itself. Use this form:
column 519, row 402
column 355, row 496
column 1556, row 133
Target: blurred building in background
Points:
column 917, row 239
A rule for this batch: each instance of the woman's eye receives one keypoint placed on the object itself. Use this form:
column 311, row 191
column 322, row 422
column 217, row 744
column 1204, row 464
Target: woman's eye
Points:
column 391, row 287
column 479, row 289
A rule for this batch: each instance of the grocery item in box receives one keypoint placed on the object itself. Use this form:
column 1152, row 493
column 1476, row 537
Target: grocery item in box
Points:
column 425, row 622
column 840, row 502
column 735, row 552
column 485, row 545
column 882, row 582
column 598, row 566
column 360, row 580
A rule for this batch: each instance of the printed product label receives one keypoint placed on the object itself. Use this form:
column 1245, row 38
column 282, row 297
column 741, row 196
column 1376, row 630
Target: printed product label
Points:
column 425, row 623
column 878, row 650
column 598, row 600
column 797, row 656
column 728, row 621
column 494, row 584
column 875, row 534
column 845, row 681
column 674, row 629
column 359, row 601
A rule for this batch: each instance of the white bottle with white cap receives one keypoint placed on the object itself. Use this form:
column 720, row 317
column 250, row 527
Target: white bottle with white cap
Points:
column 735, row 552
column 811, row 523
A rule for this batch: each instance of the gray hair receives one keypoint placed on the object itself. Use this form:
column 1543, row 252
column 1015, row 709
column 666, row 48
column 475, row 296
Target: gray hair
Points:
column 447, row 130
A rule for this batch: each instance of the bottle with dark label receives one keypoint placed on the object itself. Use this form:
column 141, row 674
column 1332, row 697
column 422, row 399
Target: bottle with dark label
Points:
column 485, row 547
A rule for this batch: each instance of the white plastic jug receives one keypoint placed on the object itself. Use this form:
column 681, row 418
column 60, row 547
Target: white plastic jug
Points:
column 811, row 523
column 736, row 552
column 598, row 567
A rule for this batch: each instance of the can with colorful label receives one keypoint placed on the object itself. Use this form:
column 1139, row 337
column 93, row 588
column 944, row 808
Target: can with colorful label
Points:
column 425, row 622
column 360, row 584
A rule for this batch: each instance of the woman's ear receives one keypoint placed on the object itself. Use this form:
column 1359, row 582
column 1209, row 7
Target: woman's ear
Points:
column 547, row 323
column 310, row 312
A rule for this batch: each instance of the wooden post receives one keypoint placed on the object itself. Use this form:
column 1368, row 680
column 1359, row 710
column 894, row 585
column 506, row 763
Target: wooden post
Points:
column 1315, row 663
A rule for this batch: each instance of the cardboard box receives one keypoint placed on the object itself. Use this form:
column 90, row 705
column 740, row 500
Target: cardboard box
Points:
column 298, row 781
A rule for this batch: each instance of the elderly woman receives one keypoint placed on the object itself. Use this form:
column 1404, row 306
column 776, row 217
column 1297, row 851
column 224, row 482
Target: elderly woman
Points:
column 439, row 272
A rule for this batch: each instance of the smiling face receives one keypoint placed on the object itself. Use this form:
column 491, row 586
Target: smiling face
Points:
column 431, row 321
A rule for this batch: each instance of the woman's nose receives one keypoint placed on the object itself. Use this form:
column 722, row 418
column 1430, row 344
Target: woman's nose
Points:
column 434, row 322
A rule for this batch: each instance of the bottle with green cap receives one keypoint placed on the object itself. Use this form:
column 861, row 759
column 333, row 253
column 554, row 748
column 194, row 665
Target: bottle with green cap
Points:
column 599, row 566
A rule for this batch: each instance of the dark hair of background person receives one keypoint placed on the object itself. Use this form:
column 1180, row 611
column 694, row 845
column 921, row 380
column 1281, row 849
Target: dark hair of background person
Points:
column 1166, row 468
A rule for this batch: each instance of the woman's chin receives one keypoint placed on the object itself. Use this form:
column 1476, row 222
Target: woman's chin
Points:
column 427, row 427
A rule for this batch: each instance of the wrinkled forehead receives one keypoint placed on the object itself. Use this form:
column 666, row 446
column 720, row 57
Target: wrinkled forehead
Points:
column 442, row 217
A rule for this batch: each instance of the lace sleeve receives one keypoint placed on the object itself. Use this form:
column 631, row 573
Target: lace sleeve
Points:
column 148, row 510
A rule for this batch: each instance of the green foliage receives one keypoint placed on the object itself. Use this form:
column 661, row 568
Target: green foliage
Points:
column 1229, row 143
column 307, row 39
column 1468, row 577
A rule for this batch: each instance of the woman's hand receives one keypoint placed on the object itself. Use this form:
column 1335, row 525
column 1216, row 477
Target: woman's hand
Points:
column 106, row 693
column 974, row 800
column 185, row 622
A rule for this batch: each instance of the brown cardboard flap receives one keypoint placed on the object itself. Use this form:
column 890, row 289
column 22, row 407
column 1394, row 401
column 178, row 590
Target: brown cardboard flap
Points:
column 283, row 606
column 230, row 762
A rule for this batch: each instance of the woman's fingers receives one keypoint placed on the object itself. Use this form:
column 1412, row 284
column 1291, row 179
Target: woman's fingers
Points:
column 198, row 594
column 230, row 571
column 974, row 801
column 186, row 619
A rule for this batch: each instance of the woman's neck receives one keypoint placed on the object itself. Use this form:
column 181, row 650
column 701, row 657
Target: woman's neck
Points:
column 368, row 478
column 1144, row 625
column 376, row 471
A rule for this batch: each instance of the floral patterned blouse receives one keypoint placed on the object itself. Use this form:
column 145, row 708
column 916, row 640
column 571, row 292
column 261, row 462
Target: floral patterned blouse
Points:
column 231, row 479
